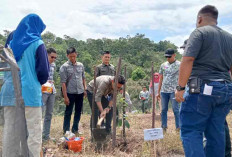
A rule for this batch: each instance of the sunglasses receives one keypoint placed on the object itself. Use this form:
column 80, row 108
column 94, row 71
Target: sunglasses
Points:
column 168, row 56
column 52, row 57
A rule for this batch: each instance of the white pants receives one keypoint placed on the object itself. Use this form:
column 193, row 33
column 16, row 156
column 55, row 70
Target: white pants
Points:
column 34, row 127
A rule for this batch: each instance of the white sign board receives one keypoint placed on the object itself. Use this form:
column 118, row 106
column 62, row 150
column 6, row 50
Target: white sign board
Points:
column 153, row 134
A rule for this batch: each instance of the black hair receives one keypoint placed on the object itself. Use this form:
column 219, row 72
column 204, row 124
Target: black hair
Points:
column 71, row 50
column 105, row 52
column 210, row 10
column 121, row 79
column 51, row 50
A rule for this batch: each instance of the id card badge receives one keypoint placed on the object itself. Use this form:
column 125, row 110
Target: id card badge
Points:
column 208, row 90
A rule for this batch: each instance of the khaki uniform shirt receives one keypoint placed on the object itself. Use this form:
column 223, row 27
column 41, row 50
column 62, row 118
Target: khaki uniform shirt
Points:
column 103, row 85
column 103, row 69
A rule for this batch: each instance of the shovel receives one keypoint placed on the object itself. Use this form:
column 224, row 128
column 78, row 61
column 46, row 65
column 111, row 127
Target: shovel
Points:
column 99, row 134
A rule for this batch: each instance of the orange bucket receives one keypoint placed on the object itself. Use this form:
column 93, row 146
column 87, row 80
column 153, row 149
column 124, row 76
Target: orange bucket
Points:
column 75, row 146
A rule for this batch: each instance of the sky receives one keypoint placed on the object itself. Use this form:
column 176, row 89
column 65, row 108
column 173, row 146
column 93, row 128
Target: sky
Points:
column 172, row 20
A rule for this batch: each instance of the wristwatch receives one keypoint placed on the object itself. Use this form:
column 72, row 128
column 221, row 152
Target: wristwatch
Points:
column 179, row 88
column 109, row 107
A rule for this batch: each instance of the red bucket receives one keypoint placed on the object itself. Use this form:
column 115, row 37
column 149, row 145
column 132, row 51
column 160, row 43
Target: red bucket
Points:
column 75, row 146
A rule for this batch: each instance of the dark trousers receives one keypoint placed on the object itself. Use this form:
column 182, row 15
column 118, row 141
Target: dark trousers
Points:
column 96, row 113
column 228, row 143
column 76, row 99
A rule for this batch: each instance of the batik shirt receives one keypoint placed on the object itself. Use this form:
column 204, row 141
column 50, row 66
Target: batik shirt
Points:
column 170, row 74
column 144, row 94
column 51, row 74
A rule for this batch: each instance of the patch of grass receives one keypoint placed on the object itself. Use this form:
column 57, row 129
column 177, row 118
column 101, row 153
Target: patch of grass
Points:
column 135, row 145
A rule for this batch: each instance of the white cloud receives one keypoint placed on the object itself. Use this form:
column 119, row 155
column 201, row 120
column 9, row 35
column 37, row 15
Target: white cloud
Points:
column 227, row 28
column 84, row 19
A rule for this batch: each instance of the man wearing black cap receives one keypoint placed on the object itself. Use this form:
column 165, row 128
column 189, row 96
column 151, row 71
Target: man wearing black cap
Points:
column 184, row 45
column 169, row 72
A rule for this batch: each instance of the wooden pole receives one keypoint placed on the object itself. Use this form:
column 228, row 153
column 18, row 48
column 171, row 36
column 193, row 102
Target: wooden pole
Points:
column 124, row 108
column 19, row 135
column 93, row 98
column 153, row 96
column 153, row 108
column 114, row 102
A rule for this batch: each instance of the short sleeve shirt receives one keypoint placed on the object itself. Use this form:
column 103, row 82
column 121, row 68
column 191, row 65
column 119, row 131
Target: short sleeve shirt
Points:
column 103, row 69
column 51, row 75
column 103, row 85
column 212, row 49
column 170, row 74
column 144, row 94
column 77, row 74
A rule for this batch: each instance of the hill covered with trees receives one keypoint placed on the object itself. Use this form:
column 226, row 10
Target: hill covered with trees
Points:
column 137, row 54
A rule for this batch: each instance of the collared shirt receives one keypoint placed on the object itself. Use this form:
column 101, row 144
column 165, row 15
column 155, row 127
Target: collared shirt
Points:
column 77, row 74
column 103, row 69
column 144, row 94
column 103, row 85
column 170, row 74
column 51, row 74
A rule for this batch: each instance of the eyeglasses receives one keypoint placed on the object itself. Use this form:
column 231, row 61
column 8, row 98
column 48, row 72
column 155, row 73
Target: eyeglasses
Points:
column 168, row 56
column 52, row 57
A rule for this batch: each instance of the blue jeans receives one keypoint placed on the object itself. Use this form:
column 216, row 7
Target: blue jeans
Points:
column 165, row 98
column 206, row 114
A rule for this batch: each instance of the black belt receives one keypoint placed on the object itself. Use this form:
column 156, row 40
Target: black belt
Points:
column 209, row 81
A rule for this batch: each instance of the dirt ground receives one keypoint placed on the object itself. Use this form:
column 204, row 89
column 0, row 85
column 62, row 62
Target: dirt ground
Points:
column 170, row 146
column 135, row 145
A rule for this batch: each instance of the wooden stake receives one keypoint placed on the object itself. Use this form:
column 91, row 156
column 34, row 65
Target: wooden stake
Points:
column 19, row 135
column 153, row 96
column 114, row 102
column 124, row 112
column 94, row 93
column 153, row 108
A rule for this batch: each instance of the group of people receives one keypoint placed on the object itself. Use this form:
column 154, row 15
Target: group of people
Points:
column 37, row 67
column 201, row 82
column 199, row 88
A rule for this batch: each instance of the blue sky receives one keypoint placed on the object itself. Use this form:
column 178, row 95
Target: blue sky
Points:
column 82, row 19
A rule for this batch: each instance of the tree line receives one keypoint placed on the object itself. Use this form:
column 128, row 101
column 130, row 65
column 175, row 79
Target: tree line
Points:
column 137, row 52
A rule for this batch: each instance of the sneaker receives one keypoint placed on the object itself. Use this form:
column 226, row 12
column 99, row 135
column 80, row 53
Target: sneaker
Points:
column 78, row 133
column 48, row 139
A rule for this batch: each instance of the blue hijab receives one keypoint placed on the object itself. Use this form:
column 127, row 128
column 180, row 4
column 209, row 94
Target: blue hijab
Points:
column 28, row 31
